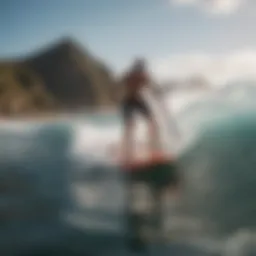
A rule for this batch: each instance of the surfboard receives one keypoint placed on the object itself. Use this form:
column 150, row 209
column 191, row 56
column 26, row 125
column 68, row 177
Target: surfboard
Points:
column 155, row 172
column 155, row 159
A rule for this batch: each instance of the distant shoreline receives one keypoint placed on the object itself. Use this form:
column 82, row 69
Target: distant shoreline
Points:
column 51, row 115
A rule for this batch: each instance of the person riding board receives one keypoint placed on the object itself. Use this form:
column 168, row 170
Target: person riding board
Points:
column 134, row 81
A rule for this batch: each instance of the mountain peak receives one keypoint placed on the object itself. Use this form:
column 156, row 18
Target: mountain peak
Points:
column 73, row 75
column 64, row 46
column 60, row 76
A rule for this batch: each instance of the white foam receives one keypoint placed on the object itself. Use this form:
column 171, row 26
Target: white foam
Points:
column 90, row 140
column 104, row 143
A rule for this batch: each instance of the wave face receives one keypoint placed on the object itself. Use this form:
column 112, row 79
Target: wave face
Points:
column 34, row 184
column 219, row 174
column 55, row 203
column 58, row 195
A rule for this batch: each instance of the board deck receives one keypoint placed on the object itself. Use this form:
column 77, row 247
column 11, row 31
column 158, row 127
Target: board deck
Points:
column 156, row 172
column 143, row 164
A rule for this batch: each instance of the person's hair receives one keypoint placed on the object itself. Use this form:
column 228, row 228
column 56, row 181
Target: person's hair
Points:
column 139, row 64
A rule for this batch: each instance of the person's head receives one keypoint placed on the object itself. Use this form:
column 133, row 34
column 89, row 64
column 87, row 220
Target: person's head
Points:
column 139, row 64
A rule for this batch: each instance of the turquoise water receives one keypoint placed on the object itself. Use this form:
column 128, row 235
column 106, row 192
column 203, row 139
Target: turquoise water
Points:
column 51, row 203
column 222, row 164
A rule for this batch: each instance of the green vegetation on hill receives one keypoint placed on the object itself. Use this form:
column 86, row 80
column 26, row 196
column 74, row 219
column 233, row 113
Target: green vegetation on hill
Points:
column 74, row 77
column 61, row 77
column 22, row 90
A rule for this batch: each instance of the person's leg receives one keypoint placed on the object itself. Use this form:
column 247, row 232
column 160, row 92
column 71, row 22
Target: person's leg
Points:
column 154, row 136
column 127, row 147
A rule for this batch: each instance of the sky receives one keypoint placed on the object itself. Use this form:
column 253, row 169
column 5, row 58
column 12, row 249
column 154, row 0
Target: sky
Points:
column 180, row 38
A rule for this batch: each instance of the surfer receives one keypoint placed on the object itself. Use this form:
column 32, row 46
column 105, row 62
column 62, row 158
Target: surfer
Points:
column 134, row 81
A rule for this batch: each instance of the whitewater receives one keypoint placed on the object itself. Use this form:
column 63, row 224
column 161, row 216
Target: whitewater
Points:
column 61, row 194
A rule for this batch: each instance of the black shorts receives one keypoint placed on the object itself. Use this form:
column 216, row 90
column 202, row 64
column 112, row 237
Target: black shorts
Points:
column 133, row 105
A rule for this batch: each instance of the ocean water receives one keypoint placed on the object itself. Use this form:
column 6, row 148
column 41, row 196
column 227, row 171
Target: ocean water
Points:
column 61, row 194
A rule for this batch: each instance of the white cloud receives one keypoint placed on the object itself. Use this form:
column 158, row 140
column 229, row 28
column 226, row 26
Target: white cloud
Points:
column 218, row 69
column 223, row 6
column 213, row 6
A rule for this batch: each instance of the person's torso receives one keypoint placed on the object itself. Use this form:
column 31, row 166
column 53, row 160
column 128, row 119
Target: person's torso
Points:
column 135, row 82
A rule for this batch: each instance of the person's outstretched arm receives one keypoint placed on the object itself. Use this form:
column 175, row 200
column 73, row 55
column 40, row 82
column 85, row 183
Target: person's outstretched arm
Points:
column 155, row 90
column 159, row 94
